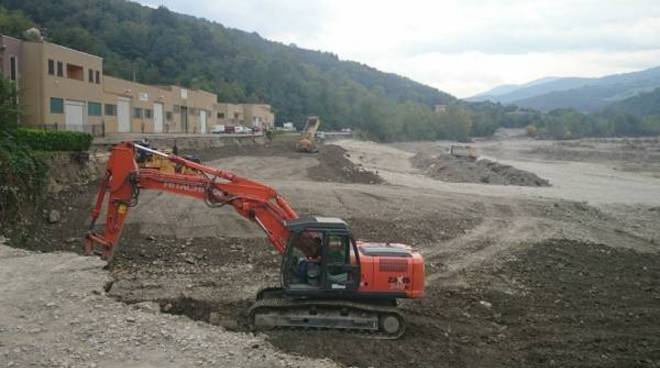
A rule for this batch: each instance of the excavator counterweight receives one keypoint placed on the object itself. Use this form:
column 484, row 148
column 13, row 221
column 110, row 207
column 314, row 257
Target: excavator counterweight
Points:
column 328, row 279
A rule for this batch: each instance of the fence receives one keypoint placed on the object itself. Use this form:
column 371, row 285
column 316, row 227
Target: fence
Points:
column 96, row 130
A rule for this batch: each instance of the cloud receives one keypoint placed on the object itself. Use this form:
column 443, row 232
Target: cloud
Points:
column 461, row 46
column 467, row 73
column 280, row 20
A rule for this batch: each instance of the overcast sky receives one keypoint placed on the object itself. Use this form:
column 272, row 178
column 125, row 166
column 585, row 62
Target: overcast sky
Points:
column 459, row 46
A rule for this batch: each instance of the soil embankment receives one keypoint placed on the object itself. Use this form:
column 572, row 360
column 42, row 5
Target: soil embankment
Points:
column 559, row 303
column 334, row 166
column 452, row 169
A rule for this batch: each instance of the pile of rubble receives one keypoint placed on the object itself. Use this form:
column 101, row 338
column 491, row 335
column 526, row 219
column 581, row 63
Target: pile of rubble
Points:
column 452, row 169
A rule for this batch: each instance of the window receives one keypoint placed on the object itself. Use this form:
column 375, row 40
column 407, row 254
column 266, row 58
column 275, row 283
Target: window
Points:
column 300, row 269
column 221, row 115
column 147, row 113
column 110, row 110
column 93, row 109
column 56, row 105
column 236, row 115
column 13, row 71
column 51, row 66
column 90, row 76
column 338, row 250
column 75, row 72
column 137, row 113
column 168, row 115
column 98, row 77
column 177, row 108
column 60, row 69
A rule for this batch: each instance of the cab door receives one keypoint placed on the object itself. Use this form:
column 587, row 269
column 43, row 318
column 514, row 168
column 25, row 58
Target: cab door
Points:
column 340, row 263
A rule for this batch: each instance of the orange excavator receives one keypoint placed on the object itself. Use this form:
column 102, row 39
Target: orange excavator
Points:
column 328, row 279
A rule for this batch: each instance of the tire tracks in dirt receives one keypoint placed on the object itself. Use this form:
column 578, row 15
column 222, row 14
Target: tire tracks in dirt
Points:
column 504, row 227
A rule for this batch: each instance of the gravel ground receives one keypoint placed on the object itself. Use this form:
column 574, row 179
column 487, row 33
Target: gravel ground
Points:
column 567, row 274
column 54, row 313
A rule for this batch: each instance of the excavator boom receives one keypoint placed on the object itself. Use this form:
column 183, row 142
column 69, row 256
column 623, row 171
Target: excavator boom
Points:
column 124, row 180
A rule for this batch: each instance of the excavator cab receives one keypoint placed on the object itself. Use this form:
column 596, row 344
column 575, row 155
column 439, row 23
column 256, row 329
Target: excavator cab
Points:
column 321, row 258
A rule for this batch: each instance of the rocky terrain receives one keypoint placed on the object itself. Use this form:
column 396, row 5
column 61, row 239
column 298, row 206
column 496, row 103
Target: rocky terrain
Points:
column 565, row 275
column 452, row 169
column 55, row 313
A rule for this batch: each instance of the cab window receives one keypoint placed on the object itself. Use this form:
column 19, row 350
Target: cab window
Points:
column 338, row 249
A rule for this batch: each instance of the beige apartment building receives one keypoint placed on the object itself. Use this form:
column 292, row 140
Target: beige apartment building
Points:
column 62, row 88
column 257, row 116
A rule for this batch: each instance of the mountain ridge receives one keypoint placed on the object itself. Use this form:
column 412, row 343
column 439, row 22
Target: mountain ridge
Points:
column 584, row 94
column 507, row 88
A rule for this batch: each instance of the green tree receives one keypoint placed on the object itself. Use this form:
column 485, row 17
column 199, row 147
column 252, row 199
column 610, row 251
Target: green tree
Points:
column 9, row 111
column 13, row 23
column 456, row 123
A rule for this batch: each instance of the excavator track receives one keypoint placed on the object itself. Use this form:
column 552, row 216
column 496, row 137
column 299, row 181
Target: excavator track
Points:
column 275, row 310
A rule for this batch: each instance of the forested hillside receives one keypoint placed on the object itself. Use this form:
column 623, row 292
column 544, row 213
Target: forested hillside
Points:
column 160, row 46
column 644, row 104
column 634, row 116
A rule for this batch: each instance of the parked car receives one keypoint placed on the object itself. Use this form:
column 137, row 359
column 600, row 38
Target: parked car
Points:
column 218, row 129
column 288, row 126
column 239, row 129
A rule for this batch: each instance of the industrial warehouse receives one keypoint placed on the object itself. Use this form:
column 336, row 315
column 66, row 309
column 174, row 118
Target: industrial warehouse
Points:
column 65, row 89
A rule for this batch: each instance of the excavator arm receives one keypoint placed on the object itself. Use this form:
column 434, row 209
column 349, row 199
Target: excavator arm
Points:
column 339, row 283
column 124, row 180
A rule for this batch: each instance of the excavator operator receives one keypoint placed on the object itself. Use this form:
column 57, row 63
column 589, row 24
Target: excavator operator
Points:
column 309, row 267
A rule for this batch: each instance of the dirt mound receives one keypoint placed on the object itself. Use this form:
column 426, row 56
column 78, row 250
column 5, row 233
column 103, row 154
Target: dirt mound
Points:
column 334, row 166
column 565, row 303
column 459, row 170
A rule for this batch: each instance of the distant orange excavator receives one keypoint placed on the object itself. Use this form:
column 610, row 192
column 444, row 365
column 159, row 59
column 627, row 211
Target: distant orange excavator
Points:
column 328, row 279
column 306, row 143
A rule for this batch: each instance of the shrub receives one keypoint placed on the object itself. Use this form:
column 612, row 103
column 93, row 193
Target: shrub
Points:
column 53, row 140
column 22, row 179
column 9, row 110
